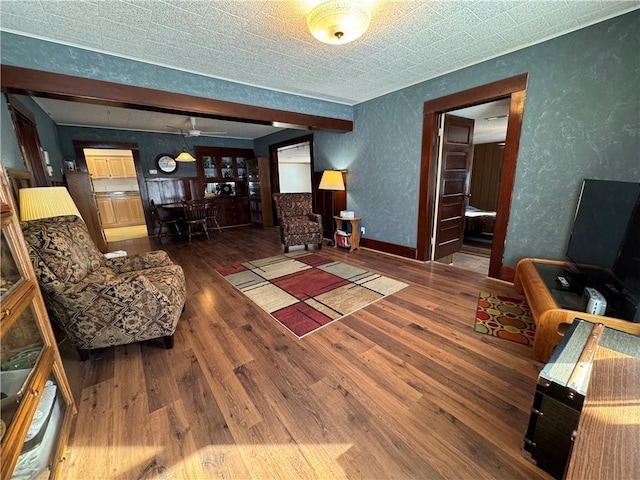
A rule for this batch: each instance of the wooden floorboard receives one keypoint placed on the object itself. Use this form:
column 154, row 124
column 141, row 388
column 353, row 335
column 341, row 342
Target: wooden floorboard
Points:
column 403, row 388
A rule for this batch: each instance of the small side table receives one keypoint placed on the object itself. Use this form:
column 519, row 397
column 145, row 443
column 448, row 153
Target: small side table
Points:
column 355, row 232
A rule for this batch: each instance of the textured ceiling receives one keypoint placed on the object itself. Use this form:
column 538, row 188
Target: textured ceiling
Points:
column 266, row 43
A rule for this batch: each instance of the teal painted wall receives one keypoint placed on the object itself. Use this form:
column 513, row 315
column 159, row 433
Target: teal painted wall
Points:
column 150, row 145
column 581, row 120
column 41, row 55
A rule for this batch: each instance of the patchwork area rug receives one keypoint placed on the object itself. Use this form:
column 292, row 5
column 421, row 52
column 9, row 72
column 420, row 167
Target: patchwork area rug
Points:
column 505, row 317
column 305, row 291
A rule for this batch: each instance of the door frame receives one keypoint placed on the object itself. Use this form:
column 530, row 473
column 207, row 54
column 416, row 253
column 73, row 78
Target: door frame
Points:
column 274, row 170
column 80, row 145
column 514, row 88
column 28, row 139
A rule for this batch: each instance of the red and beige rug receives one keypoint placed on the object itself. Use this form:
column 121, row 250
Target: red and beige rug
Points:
column 306, row 291
column 505, row 317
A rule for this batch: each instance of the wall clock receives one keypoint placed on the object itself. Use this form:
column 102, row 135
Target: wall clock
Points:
column 166, row 163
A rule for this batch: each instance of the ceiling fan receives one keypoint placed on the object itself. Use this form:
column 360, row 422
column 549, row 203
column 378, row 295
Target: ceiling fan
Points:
column 193, row 131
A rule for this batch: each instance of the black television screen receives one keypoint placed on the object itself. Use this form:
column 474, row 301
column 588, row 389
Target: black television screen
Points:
column 606, row 235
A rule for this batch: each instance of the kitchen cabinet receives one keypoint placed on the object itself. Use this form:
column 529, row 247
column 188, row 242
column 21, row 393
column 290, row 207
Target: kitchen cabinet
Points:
column 120, row 210
column 37, row 405
column 105, row 209
column 98, row 167
column 111, row 167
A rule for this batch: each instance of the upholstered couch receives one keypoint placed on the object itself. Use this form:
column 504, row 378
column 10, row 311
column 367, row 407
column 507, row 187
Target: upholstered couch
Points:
column 298, row 224
column 99, row 302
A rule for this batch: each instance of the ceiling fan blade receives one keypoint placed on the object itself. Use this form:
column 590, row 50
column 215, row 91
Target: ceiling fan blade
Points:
column 213, row 133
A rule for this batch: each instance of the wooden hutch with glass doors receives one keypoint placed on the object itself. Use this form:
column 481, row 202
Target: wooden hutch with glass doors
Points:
column 37, row 405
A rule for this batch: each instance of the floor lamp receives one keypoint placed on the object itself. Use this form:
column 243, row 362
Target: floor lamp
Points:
column 332, row 180
column 46, row 202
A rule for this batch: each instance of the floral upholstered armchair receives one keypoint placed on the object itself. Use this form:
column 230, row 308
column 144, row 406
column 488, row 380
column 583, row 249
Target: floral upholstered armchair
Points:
column 98, row 302
column 298, row 224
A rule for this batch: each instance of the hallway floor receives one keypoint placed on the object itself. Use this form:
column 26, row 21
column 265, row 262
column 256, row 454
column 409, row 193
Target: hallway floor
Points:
column 125, row 233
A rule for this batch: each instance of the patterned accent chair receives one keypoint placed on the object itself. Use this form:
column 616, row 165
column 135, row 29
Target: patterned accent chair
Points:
column 298, row 224
column 99, row 302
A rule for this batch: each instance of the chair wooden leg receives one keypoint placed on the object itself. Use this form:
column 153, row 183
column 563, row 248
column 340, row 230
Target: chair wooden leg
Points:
column 168, row 342
column 306, row 247
column 83, row 353
column 320, row 246
column 286, row 249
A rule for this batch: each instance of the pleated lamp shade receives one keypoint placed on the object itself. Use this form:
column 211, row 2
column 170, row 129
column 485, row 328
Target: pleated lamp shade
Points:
column 46, row 202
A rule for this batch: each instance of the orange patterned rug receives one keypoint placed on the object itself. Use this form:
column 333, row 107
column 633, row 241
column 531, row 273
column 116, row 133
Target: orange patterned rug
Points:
column 505, row 317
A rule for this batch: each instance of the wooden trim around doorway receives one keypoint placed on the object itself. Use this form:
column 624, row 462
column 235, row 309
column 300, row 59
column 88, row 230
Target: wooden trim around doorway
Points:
column 513, row 87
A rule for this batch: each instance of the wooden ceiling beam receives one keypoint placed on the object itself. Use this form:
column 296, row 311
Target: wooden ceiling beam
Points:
column 37, row 83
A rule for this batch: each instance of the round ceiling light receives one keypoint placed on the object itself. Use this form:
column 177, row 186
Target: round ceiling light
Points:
column 338, row 21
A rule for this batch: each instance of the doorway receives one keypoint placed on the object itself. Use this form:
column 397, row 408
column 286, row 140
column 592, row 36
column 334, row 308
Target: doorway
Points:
column 115, row 186
column 294, row 168
column 513, row 89
column 118, row 186
column 481, row 184
column 295, row 172
column 34, row 157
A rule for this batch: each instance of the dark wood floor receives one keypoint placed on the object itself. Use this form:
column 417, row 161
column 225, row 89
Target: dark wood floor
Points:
column 403, row 388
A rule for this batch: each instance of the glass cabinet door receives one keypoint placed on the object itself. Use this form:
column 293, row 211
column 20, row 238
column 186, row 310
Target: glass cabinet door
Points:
column 241, row 163
column 11, row 275
column 40, row 447
column 210, row 166
column 20, row 350
column 227, row 168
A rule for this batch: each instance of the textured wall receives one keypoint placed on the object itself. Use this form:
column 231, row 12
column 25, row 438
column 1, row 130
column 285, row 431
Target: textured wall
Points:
column 41, row 55
column 581, row 120
column 150, row 145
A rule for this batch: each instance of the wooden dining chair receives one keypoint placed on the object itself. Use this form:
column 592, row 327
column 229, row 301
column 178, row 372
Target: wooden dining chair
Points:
column 162, row 220
column 196, row 217
column 212, row 216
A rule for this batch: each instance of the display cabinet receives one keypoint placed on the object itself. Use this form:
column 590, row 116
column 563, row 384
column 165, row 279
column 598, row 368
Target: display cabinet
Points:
column 37, row 405
column 223, row 171
column 259, row 184
column 223, row 178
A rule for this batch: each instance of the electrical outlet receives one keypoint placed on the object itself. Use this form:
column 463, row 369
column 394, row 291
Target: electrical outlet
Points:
column 361, row 230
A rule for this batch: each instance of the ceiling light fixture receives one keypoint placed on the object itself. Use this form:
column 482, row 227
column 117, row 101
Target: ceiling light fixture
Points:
column 185, row 156
column 338, row 21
